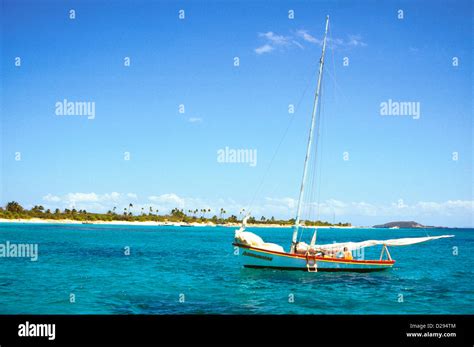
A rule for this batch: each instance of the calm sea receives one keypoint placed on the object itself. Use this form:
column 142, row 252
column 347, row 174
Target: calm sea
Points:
column 193, row 270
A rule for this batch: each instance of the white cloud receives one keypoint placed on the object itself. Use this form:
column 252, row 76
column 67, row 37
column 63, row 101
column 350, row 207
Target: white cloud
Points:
column 264, row 49
column 89, row 201
column 195, row 120
column 132, row 196
column 168, row 199
column 447, row 208
column 274, row 41
column 356, row 40
column 308, row 37
column 82, row 197
column 447, row 213
column 296, row 43
column 350, row 42
column 396, row 209
column 286, row 202
column 51, row 198
column 335, row 43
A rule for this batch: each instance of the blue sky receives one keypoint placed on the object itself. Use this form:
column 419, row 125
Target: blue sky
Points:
column 399, row 168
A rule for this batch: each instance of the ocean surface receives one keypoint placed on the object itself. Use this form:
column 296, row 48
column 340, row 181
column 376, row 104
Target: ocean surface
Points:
column 193, row 270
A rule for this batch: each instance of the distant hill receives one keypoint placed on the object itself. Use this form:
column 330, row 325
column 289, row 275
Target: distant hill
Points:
column 408, row 225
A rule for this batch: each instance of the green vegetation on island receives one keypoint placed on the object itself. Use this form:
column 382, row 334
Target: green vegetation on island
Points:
column 13, row 210
column 403, row 225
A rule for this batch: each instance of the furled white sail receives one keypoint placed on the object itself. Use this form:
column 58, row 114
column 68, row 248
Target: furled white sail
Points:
column 369, row 243
column 253, row 240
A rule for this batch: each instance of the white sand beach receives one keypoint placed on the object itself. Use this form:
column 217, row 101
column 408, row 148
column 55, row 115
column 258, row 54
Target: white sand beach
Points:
column 152, row 223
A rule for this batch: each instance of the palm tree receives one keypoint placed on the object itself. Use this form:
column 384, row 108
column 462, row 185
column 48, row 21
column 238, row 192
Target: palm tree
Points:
column 37, row 208
column 113, row 210
column 13, row 206
column 143, row 210
column 130, row 205
column 223, row 212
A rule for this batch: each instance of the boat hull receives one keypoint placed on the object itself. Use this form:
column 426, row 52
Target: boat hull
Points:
column 252, row 257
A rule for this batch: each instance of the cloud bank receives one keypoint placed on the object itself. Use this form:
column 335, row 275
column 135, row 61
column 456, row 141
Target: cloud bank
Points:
column 446, row 213
column 274, row 42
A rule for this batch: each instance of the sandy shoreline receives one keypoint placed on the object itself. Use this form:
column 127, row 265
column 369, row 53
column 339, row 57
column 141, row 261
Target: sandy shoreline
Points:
column 149, row 223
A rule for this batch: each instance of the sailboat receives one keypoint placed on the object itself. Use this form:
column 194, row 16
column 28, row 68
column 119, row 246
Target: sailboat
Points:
column 255, row 253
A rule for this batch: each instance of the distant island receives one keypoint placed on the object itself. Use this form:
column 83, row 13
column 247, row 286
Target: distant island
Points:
column 14, row 212
column 402, row 225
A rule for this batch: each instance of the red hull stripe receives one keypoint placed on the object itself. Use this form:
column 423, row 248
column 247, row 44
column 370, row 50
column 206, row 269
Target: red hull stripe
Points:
column 335, row 260
column 327, row 269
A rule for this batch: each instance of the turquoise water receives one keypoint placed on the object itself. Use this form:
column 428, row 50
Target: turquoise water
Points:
column 197, row 264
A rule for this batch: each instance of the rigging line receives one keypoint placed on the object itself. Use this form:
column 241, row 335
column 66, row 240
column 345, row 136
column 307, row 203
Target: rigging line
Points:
column 250, row 205
column 318, row 176
column 336, row 85
column 323, row 124
column 313, row 171
column 336, row 88
column 306, row 213
column 319, row 158
column 314, row 165
column 309, row 186
column 333, row 64
column 310, row 195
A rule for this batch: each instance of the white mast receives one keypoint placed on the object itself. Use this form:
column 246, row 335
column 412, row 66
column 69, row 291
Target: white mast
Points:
column 310, row 141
